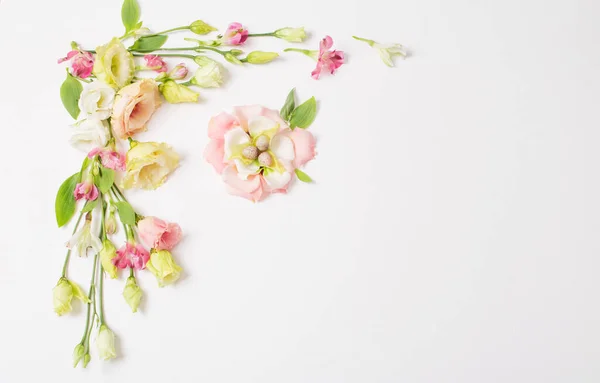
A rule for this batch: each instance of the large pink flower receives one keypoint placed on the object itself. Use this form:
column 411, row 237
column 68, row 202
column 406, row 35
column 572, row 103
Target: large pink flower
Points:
column 235, row 34
column 159, row 234
column 328, row 60
column 256, row 152
column 110, row 158
column 85, row 190
column 82, row 63
column 131, row 255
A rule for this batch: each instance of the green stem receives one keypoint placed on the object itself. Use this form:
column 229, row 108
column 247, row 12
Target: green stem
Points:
column 167, row 55
column 92, row 297
column 261, row 34
column 131, row 272
column 171, row 30
column 310, row 53
column 66, row 264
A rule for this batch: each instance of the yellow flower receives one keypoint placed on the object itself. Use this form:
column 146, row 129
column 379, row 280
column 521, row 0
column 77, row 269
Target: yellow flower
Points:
column 63, row 293
column 132, row 294
column 106, row 343
column 149, row 164
column 164, row 268
column 114, row 64
column 107, row 254
column 293, row 35
column 176, row 93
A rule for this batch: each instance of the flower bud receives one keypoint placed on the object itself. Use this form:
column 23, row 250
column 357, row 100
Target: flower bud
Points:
column 179, row 72
column 208, row 75
column 106, row 343
column 293, row 35
column 236, row 52
column 107, row 254
column 250, row 152
column 63, row 293
column 176, row 93
column 110, row 224
column 262, row 143
column 86, row 360
column 78, row 354
column 140, row 32
column 232, row 59
column 132, row 294
column 265, row 159
column 258, row 57
column 199, row 27
column 164, row 268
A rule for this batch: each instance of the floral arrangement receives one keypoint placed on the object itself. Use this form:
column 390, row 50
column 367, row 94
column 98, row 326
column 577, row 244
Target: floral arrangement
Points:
column 112, row 92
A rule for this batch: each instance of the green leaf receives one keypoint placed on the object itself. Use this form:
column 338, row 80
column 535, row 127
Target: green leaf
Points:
column 130, row 14
column 126, row 213
column 304, row 114
column 90, row 206
column 105, row 179
column 149, row 43
column 70, row 91
column 288, row 107
column 303, row 176
column 199, row 27
column 64, row 206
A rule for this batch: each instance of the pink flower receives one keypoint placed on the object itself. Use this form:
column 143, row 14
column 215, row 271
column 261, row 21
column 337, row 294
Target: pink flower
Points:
column 158, row 234
column 82, row 63
column 328, row 60
column 109, row 158
column 179, row 72
column 256, row 152
column 85, row 190
column 155, row 63
column 131, row 255
column 235, row 34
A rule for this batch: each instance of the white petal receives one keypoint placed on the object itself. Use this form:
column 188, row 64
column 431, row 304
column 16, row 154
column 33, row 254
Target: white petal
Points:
column 283, row 147
column 245, row 170
column 278, row 180
column 386, row 57
column 260, row 124
column 233, row 138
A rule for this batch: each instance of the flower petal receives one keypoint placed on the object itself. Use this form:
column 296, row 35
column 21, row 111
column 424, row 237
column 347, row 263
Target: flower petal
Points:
column 283, row 147
column 260, row 124
column 277, row 180
column 215, row 154
column 220, row 124
column 244, row 170
column 304, row 146
column 233, row 139
column 250, row 189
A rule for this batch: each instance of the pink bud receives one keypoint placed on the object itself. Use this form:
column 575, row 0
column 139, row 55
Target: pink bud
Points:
column 179, row 72
column 82, row 63
column 155, row 63
column 235, row 34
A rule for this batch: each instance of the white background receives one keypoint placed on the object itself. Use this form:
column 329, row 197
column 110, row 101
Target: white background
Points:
column 451, row 234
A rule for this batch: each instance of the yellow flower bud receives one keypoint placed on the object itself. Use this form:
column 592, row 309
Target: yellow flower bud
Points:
column 78, row 354
column 132, row 294
column 199, row 27
column 164, row 268
column 176, row 93
column 63, row 293
column 106, row 343
column 293, row 35
column 107, row 254
column 259, row 57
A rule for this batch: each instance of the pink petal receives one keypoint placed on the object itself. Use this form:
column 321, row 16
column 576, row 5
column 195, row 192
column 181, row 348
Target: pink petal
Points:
column 220, row 124
column 170, row 238
column 251, row 188
column 304, row 146
column 214, row 154
column 325, row 44
column 245, row 113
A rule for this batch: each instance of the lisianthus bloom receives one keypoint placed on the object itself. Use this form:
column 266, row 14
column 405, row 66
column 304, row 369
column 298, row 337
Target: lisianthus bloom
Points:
column 327, row 60
column 164, row 268
column 134, row 105
column 107, row 254
column 131, row 255
column 63, row 294
column 155, row 63
column 96, row 100
column 132, row 294
column 293, row 35
column 114, row 64
column 106, row 343
column 89, row 134
column 82, row 63
column 235, row 34
column 149, row 164
column 386, row 51
column 84, row 239
column 86, row 190
column 110, row 159
column 208, row 74
column 255, row 151
column 176, row 93
column 158, row 234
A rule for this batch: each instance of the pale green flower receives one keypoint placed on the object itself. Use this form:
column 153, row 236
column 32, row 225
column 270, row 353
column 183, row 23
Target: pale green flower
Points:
column 107, row 254
column 164, row 268
column 176, row 93
column 106, row 343
column 208, row 75
column 132, row 294
column 114, row 64
column 78, row 354
column 63, row 294
column 386, row 51
column 293, row 35
column 259, row 57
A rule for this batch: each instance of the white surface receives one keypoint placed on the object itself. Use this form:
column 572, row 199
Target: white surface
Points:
column 451, row 235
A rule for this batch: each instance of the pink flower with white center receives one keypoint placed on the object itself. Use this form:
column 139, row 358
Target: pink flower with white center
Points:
column 235, row 34
column 159, row 234
column 131, row 255
column 110, row 159
column 327, row 60
column 82, row 63
column 179, row 72
column 256, row 152
column 85, row 190
column 155, row 63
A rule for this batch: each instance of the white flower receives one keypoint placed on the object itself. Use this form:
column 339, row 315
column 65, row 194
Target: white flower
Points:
column 293, row 35
column 208, row 74
column 89, row 134
column 96, row 100
column 386, row 51
column 83, row 239
column 106, row 343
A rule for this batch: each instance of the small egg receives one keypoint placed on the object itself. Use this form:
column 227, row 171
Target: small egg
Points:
column 265, row 159
column 262, row 143
column 250, row 152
